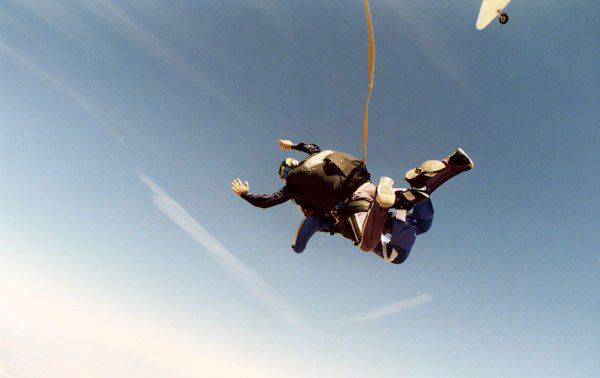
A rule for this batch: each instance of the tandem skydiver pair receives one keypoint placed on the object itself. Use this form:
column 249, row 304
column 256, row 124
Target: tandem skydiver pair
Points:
column 336, row 195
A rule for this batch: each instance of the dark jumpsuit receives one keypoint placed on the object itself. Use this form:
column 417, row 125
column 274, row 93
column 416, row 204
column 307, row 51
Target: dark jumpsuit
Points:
column 283, row 195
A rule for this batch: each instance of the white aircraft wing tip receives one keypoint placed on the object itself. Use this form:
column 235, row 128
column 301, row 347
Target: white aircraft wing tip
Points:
column 490, row 9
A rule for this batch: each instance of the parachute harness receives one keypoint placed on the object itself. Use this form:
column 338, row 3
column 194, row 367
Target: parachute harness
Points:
column 371, row 74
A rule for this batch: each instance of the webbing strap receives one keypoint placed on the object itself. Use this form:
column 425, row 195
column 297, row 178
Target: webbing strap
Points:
column 371, row 74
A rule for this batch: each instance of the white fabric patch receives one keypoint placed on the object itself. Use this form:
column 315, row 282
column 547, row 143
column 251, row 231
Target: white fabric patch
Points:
column 316, row 159
column 401, row 215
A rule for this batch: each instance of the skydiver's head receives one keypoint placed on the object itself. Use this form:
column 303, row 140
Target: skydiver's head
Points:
column 286, row 166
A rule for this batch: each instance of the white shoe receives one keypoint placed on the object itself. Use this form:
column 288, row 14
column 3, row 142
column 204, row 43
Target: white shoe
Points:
column 386, row 196
column 417, row 177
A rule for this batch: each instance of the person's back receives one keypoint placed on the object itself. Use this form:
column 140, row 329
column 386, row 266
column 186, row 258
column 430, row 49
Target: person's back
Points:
column 326, row 179
column 321, row 182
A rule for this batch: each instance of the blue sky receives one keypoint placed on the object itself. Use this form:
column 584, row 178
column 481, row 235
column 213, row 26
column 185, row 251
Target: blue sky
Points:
column 125, row 253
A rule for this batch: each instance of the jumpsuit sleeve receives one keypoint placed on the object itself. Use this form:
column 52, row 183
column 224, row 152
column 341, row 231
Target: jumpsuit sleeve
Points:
column 265, row 201
column 307, row 148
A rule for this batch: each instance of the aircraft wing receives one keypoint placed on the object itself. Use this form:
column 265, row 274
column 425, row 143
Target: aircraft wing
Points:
column 490, row 9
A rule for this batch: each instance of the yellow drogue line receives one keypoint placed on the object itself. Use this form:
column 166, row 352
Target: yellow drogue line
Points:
column 371, row 74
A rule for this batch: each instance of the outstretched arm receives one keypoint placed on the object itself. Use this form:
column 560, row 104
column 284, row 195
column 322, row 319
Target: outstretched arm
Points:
column 259, row 200
column 308, row 148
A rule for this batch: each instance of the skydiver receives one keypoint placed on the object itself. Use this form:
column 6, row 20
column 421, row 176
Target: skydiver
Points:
column 337, row 187
column 335, row 183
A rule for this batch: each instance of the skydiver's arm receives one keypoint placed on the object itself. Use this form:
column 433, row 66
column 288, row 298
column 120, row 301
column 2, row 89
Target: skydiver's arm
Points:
column 308, row 148
column 259, row 200
column 265, row 200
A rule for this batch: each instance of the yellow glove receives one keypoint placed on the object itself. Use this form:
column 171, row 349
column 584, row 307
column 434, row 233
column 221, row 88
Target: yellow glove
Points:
column 285, row 144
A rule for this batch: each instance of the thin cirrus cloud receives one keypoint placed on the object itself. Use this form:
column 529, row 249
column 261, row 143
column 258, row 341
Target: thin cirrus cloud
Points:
column 114, row 17
column 130, row 29
column 60, row 17
column 431, row 48
column 46, row 76
column 79, row 98
column 246, row 277
column 390, row 309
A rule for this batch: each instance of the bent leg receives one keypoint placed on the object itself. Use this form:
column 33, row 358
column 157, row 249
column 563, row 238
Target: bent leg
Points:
column 308, row 227
column 370, row 222
column 373, row 221
column 422, row 217
column 386, row 197
column 397, row 249
column 433, row 173
column 389, row 253
column 373, row 227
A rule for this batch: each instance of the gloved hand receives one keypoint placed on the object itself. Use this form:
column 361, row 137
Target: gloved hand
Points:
column 239, row 188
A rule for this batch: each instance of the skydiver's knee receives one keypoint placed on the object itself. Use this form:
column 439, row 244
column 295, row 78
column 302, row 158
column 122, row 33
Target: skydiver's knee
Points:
column 392, row 254
column 423, row 226
column 400, row 258
column 297, row 249
column 365, row 248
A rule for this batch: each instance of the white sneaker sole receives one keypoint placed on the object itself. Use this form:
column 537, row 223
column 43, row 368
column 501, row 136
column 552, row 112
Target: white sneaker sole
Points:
column 414, row 195
column 385, row 193
column 429, row 169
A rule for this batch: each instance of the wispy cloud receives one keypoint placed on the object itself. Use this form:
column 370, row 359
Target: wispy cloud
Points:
column 427, row 42
column 79, row 98
column 247, row 278
column 390, row 309
column 130, row 29
column 59, row 16
column 62, row 17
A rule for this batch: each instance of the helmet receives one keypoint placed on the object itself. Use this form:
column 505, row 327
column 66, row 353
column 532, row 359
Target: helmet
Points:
column 286, row 166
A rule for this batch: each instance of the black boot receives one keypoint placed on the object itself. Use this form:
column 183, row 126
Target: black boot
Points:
column 406, row 199
column 460, row 159
column 456, row 164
